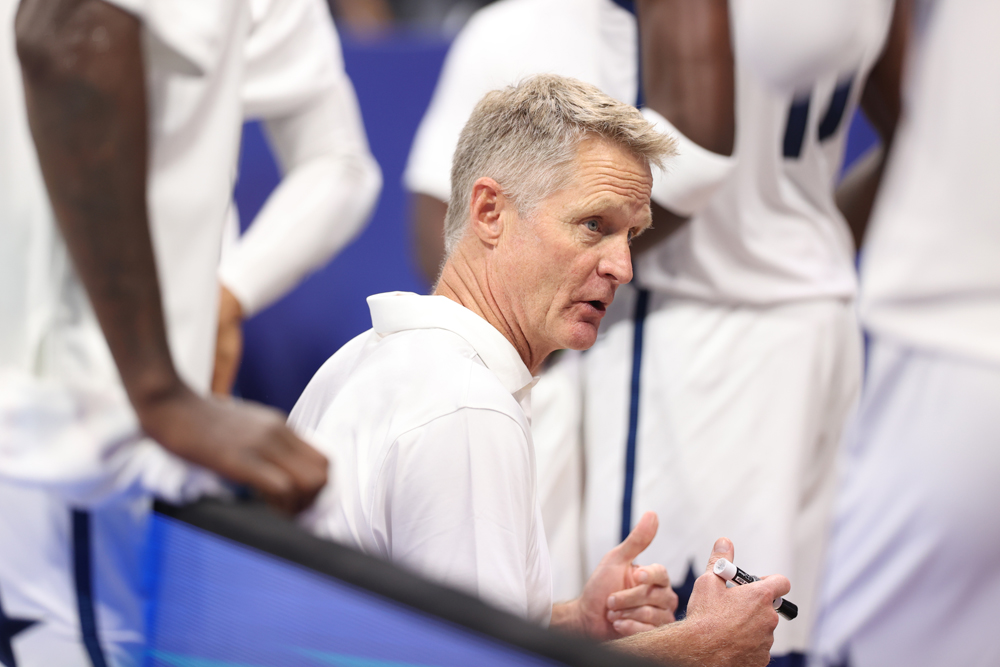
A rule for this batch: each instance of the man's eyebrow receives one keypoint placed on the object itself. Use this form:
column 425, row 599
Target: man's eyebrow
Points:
column 647, row 219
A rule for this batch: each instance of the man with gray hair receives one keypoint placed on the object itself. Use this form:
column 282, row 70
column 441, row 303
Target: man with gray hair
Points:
column 428, row 412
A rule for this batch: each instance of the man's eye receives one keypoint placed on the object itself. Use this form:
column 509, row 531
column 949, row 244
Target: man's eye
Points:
column 593, row 225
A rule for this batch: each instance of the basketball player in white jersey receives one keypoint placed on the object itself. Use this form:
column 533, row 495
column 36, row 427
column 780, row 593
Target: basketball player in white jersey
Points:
column 914, row 565
column 738, row 357
column 83, row 363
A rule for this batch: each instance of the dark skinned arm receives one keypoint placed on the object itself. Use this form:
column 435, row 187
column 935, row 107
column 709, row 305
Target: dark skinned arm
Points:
column 881, row 102
column 687, row 68
column 84, row 80
column 428, row 234
column 688, row 78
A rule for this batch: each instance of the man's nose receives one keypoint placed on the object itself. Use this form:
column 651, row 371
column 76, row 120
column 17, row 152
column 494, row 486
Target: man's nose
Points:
column 616, row 263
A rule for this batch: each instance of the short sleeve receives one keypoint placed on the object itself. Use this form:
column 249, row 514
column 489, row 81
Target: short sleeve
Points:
column 292, row 55
column 200, row 31
column 135, row 7
column 462, row 83
column 460, row 507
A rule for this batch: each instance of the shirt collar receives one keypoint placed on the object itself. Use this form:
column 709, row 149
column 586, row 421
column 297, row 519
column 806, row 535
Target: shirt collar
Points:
column 402, row 311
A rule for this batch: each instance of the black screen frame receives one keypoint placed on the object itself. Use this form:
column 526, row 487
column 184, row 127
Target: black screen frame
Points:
column 254, row 525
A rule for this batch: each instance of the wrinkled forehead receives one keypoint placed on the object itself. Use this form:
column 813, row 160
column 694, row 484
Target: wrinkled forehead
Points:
column 605, row 174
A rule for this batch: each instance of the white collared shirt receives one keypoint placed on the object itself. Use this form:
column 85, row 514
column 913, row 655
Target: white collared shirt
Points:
column 426, row 417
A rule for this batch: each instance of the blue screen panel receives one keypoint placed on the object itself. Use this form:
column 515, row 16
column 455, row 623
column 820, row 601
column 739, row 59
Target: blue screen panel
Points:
column 221, row 604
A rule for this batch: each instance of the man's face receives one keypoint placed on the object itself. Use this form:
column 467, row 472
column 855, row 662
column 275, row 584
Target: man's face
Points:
column 561, row 265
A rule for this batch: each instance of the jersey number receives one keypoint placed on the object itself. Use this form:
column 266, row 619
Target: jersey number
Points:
column 798, row 119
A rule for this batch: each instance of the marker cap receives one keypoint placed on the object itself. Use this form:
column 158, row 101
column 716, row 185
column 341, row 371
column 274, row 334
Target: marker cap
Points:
column 725, row 569
column 787, row 609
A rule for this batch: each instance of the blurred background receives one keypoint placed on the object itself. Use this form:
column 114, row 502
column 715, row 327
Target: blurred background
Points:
column 393, row 52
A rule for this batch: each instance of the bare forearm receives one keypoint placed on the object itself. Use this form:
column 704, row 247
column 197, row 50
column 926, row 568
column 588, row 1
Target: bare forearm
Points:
column 856, row 193
column 675, row 645
column 566, row 617
column 881, row 101
column 85, row 93
column 687, row 68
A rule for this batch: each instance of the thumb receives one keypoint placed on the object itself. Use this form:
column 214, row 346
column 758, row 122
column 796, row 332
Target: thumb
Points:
column 640, row 538
column 723, row 549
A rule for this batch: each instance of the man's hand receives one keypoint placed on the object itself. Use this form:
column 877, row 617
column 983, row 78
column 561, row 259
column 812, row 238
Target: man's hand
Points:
column 724, row 627
column 246, row 443
column 621, row 598
column 228, row 343
column 738, row 623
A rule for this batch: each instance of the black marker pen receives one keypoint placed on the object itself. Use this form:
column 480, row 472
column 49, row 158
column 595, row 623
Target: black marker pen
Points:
column 730, row 572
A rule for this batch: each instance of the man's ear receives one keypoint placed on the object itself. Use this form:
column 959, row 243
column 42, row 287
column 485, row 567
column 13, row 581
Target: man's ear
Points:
column 486, row 210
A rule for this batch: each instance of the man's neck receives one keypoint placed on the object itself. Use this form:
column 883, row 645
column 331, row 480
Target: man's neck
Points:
column 472, row 289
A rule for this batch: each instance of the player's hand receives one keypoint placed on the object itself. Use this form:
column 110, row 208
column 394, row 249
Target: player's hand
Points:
column 621, row 598
column 734, row 626
column 243, row 442
column 228, row 343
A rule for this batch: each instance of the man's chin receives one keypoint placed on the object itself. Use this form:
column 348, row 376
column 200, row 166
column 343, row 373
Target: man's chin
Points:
column 582, row 336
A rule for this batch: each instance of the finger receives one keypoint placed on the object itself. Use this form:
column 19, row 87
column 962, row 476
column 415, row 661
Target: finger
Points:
column 665, row 598
column 655, row 596
column 307, row 466
column 652, row 575
column 723, row 549
column 273, row 483
column 778, row 585
column 638, row 596
column 655, row 616
column 638, row 539
column 627, row 628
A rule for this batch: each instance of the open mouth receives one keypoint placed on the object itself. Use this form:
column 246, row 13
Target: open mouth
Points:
column 597, row 305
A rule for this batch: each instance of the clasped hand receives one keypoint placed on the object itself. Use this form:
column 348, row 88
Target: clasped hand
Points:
column 621, row 598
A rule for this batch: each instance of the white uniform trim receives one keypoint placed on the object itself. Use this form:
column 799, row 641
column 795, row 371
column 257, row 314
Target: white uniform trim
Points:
column 426, row 417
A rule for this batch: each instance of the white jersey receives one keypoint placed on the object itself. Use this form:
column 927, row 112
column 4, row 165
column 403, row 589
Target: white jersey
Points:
column 772, row 233
column 591, row 40
column 912, row 577
column 931, row 266
column 68, row 437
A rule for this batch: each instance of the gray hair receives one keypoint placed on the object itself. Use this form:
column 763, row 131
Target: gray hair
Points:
column 526, row 138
